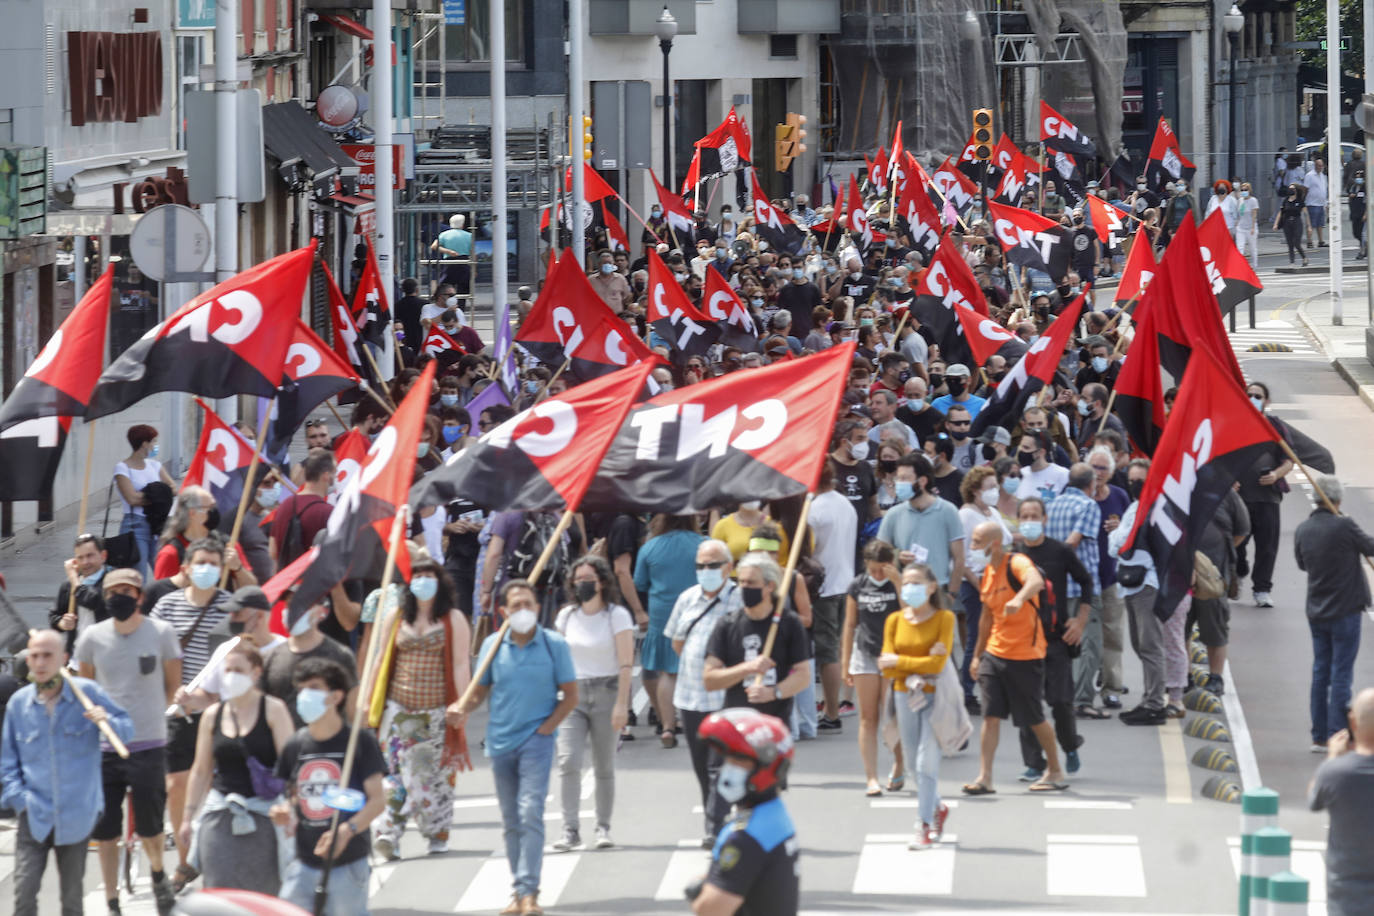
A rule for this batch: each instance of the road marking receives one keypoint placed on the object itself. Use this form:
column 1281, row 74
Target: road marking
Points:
column 490, row 890
column 687, row 863
column 1240, row 733
column 1178, row 783
column 950, row 803
column 1086, row 804
column 140, row 904
column 480, row 801
column 1308, row 859
column 1085, row 865
column 886, row 867
column 558, row 814
column 8, row 837
column 379, row 876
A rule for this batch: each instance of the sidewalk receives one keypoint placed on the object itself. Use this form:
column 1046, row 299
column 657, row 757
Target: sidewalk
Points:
column 1343, row 345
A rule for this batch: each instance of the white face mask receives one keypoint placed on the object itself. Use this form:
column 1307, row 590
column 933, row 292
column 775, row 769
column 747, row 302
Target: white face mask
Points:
column 859, row 450
column 732, row 784
column 990, row 496
column 523, row 621
column 235, row 684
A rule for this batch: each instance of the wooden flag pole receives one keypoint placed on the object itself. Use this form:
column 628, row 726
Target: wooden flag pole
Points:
column 542, row 391
column 105, row 728
column 81, row 515
column 372, row 361
column 1326, row 500
column 385, row 402
column 780, row 599
column 945, row 200
column 538, row 569
column 247, row 495
column 636, row 215
column 335, row 412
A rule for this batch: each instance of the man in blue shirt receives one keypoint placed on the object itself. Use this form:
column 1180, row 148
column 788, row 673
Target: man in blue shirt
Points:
column 1076, row 520
column 50, row 772
column 959, row 381
column 529, row 669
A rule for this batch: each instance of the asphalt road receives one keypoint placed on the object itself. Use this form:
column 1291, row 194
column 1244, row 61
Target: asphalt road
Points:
column 1134, row 834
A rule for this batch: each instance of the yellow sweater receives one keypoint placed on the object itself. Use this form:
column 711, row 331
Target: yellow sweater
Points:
column 911, row 643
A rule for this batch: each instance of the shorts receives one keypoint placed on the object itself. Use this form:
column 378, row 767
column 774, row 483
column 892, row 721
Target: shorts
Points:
column 1013, row 687
column 860, row 662
column 1213, row 621
column 144, row 776
column 825, row 628
column 1316, row 216
column 181, row 742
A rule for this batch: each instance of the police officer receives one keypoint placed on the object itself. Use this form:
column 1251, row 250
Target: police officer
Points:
column 754, row 866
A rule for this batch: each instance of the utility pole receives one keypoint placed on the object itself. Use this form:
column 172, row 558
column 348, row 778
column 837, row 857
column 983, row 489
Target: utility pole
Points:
column 1333, row 154
column 1368, row 149
column 384, row 164
column 576, row 130
column 227, row 134
column 498, row 165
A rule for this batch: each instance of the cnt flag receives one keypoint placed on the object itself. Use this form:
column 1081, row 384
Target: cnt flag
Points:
column 922, row 219
column 1107, row 221
column 220, row 463
column 439, row 341
column 1233, row 280
column 1032, row 373
column 1213, row 436
column 760, row 434
column 313, row 374
column 878, row 170
column 1166, row 162
column 371, row 312
column 1031, row 240
column 721, row 305
column 1138, row 272
column 858, row 219
column 947, row 283
column 949, row 185
column 773, row 225
column 678, row 214
column 672, row 314
column 1058, row 133
column 725, row 149
column 1139, row 388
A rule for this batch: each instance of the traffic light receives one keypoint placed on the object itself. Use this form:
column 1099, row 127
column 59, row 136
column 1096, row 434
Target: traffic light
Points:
column 789, row 140
column 584, row 135
column 586, row 138
column 982, row 134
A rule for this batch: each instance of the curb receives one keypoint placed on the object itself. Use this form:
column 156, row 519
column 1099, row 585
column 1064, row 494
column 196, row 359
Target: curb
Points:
column 1365, row 392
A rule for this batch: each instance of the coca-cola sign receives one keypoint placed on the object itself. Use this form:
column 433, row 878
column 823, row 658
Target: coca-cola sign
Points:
column 365, row 155
column 337, row 106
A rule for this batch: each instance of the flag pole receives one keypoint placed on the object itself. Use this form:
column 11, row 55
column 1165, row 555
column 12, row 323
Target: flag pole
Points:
column 780, row 599
column 334, row 410
column 85, row 701
column 372, row 361
column 535, row 572
column 1326, row 500
column 553, row 378
column 1042, row 177
column 636, row 215
column 398, row 527
column 246, row 496
column 945, row 200
column 81, row 515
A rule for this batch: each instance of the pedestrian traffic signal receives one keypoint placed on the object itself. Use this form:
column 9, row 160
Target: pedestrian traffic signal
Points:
column 982, row 134
column 789, row 140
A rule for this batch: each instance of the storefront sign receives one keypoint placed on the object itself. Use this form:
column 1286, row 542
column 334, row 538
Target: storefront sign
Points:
column 152, row 192
column 114, row 76
column 365, row 155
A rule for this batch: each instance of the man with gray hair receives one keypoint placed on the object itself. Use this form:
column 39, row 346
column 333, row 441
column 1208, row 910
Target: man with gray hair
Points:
column 455, row 242
column 693, row 620
column 1344, row 786
column 882, row 406
column 1329, row 547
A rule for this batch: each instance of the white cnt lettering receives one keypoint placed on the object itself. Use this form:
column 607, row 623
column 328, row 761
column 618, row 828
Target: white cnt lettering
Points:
column 1179, row 490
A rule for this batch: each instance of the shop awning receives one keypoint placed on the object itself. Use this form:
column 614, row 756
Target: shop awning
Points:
column 291, row 134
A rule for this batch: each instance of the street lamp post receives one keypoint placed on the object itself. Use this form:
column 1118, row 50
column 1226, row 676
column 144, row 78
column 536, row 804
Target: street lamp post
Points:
column 666, row 29
column 1233, row 21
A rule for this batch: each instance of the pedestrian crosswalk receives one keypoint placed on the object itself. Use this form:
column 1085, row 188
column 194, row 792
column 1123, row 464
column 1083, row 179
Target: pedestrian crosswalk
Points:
column 1255, row 342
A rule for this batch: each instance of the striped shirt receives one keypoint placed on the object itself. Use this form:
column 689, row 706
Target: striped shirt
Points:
column 1076, row 511
column 694, row 618
column 174, row 608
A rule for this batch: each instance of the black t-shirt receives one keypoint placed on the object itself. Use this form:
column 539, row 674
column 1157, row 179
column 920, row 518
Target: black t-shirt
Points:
column 857, row 483
column 859, row 289
column 799, row 299
column 462, row 549
column 924, row 424
column 874, row 603
column 756, row 858
column 738, row 638
column 1058, row 561
column 279, row 669
column 408, row 313
column 311, row 767
column 947, row 487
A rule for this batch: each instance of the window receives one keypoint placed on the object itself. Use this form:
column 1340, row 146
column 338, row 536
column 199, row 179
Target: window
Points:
column 468, row 44
column 188, row 78
column 782, row 47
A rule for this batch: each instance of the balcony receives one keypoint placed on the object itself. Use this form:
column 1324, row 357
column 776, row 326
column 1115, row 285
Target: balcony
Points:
column 792, row 17
column 637, row 17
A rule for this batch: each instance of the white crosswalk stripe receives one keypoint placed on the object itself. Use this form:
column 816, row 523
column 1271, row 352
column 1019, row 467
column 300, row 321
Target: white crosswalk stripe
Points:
column 1308, row 859
column 491, row 890
column 886, row 867
column 1270, row 332
column 1094, row 865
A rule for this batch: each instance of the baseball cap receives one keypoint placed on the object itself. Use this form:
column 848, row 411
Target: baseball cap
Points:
column 250, row 596
column 122, row 577
column 957, row 370
column 995, row 435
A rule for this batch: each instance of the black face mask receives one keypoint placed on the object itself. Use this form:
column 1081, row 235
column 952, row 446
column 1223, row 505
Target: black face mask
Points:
column 212, row 519
column 1135, row 487
column 956, row 385
column 585, row 591
column 752, row 597
column 1025, row 459
column 886, row 465
column 121, row 607
column 989, row 452
column 236, row 627
column 936, row 379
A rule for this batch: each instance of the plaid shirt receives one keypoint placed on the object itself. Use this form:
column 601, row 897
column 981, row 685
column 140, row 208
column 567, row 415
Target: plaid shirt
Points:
column 1076, row 511
column 692, row 605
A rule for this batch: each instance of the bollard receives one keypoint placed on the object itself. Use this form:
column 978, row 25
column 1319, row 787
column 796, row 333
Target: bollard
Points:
column 1259, row 808
column 1287, row 895
column 1271, row 847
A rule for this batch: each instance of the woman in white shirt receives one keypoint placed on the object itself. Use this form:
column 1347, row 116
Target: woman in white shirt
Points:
column 600, row 635
column 981, row 494
column 130, row 477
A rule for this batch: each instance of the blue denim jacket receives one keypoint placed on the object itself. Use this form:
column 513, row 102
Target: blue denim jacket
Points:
column 50, row 764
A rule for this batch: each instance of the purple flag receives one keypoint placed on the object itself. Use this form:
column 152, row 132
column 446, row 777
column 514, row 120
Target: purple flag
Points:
column 504, row 354
column 489, row 396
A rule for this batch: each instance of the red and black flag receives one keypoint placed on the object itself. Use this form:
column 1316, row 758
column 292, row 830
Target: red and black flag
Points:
column 1233, row 280
column 350, row 451
column 1021, row 174
column 1213, row 436
column 227, row 341
column 1030, row 240
column 354, row 542
column 220, row 463
column 677, row 213
column 1107, row 221
column 760, row 434
column 543, row 457
column 725, row 149
column 1030, row 374
column 312, row 375
column 672, row 314
column 722, row 305
column 371, row 311
column 1063, row 168
column 878, row 170
column 439, row 341
column 869, row 238
column 949, row 185
column 1139, row 271
column 1058, row 133
column 30, row 452
column 974, row 168
column 944, row 286
column 1139, row 388
column 983, row 338
column 772, row 225
column 1185, row 310
column 60, row 380
column 1166, row 162
column 922, row 219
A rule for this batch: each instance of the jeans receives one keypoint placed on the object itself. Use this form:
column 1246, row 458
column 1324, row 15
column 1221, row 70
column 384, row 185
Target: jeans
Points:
column 706, row 764
column 804, row 716
column 143, row 536
column 522, row 782
column 31, row 860
column 347, row 889
column 1147, row 639
column 1335, row 643
column 1264, row 532
column 591, row 719
column 1113, row 638
column 922, row 753
column 1089, row 660
column 973, row 613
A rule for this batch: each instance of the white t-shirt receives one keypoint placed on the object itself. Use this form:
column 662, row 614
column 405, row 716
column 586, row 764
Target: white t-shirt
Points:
column 431, row 312
column 835, row 525
column 1046, row 484
column 591, row 638
column 971, row 518
column 151, row 471
column 1316, row 183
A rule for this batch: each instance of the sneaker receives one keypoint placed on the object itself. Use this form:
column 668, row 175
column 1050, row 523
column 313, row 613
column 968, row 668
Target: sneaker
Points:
column 1318, row 747
column 385, row 849
column 570, row 840
column 1175, row 711
column 1142, row 715
column 603, row 838
column 829, row 725
column 437, row 847
column 1214, row 684
column 1262, row 599
column 512, row 908
column 165, row 895
column 1071, row 762
column 1031, row 775
column 972, row 706
column 847, row 708
column 924, row 839
column 941, row 815
column 1111, row 701
column 114, row 908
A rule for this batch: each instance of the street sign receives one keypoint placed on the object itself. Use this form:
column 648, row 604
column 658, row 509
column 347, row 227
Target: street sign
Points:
column 455, row 12
column 365, row 155
column 171, row 243
column 202, row 147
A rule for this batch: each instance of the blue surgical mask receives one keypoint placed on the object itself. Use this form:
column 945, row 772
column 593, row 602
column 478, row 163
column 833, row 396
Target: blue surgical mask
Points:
column 153, row 452
column 756, row 302
column 865, row 322
column 1011, row 485
column 1100, row 364
column 710, row 580
column 204, row 575
column 422, row 450
column 1032, row 531
column 914, row 594
column 424, row 587
column 311, row 703
column 448, row 400
column 905, row 490
column 532, row 386
column 1084, row 408
column 608, row 268
column 798, row 273
column 268, row 497
column 451, row 434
